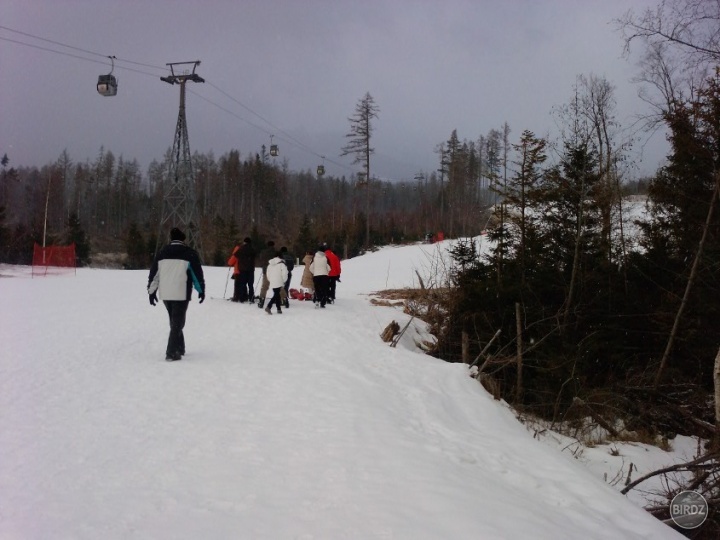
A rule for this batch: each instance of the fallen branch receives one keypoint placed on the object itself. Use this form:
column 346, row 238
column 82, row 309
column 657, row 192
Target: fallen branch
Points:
column 679, row 467
column 482, row 353
column 599, row 419
column 397, row 338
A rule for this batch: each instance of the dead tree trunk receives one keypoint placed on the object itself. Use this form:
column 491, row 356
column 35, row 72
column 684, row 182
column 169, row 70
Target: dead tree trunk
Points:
column 716, row 437
column 465, row 347
column 691, row 281
column 519, row 383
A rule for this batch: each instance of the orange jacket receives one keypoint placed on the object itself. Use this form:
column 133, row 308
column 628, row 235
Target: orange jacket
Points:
column 233, row 261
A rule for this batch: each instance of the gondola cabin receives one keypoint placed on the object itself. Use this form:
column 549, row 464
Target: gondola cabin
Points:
column 107, row 85
column 321, row 170
column 273, row 150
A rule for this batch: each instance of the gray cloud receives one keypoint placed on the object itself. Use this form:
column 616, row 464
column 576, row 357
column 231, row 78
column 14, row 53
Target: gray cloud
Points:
column 431, row 66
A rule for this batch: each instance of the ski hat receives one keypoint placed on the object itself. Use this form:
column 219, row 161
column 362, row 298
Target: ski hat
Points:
column 177, row 234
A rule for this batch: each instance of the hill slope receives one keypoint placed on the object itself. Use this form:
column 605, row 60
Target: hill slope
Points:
column 303, row 425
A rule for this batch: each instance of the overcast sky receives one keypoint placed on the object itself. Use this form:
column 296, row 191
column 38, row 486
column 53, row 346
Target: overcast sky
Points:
column 302, row 66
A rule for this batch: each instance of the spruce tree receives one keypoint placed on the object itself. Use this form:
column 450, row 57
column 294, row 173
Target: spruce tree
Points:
column 75, row 233
column 135, row 248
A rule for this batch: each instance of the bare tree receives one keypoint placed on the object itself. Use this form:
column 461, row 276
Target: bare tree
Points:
column 359, row 146
column 681, row 41
column 692, row 26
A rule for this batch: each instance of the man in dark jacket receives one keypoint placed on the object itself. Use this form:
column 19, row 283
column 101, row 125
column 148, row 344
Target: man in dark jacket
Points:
column 174, row 273
column 289, row 261
column 243, row 260
column 246, row 265
column 265, row 255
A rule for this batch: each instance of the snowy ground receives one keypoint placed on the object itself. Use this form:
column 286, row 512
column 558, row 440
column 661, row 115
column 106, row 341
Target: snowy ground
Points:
column 303, row 425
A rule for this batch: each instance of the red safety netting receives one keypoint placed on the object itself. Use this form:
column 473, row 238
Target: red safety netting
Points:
column 52, row 257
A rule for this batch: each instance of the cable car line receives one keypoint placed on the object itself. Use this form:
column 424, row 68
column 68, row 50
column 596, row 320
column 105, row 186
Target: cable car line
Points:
column 264, row 130
column 103, row 79
column 290, row 137
column 71, row 55
column 72, row 47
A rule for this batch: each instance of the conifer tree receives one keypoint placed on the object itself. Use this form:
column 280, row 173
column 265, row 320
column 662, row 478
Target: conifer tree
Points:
column 75, row 233
column 135, row 248
column 360, row 135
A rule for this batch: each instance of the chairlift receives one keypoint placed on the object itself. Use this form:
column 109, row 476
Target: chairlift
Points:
column 273, row 148
column 107, row 84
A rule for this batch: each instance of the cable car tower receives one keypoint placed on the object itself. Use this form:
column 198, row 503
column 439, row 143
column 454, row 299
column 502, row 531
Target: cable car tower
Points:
column 179, row 207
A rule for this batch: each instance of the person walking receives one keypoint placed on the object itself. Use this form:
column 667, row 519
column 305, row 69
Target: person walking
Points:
column 263, row 259
column 289, row 261
column 306, row 281
column 233, row 263
column 334, row 274
column 246, row 271
column 174, row 273
column 320, row 268
column 276, row 274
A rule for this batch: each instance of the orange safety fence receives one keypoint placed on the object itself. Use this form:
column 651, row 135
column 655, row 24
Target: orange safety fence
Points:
column 52, row 257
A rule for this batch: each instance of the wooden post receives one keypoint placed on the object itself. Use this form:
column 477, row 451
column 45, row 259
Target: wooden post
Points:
column 465, row 347
column 518, row 325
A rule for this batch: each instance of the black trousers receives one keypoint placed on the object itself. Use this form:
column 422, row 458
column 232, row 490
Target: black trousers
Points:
column 332, row 282
column 177, row 309
column 237, row 290
column 244, row 283
column 321, row 288
column 275, row 300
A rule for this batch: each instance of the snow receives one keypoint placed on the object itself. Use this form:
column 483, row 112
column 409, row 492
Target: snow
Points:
column 303, row 425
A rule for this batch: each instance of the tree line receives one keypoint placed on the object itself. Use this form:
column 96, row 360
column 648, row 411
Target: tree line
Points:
column 245, row 195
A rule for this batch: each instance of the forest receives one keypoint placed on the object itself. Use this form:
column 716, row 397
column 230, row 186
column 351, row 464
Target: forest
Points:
column 236, row 195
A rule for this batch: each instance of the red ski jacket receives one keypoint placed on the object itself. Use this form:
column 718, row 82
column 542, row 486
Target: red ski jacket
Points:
column 334, row 263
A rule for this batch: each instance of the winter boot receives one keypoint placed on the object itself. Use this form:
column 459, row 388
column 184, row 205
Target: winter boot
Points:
column 279, row 311
column 268, row 310
column 261, row 302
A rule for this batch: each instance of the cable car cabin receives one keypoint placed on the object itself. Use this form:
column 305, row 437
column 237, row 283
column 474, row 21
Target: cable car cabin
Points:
column 320, row 170
column 273, row 150
column 107, row 85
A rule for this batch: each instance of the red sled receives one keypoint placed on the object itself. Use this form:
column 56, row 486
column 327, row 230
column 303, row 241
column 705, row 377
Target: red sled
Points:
column 308, row 296
column 296, row 295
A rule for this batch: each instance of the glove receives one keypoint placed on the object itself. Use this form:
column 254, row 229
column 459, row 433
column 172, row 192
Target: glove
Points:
column 153, row 299
column 202, row 297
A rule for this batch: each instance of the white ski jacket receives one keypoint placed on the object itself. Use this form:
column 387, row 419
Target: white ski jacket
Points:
column 277, row 273
column 320, row 266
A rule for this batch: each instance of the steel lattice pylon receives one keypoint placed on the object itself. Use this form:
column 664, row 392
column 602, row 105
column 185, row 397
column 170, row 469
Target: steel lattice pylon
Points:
column 179, row 208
